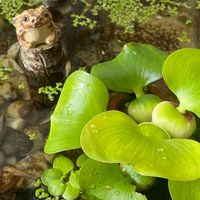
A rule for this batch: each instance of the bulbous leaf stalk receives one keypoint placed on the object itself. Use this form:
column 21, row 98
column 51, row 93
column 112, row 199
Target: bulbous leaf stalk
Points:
column 177, row 124
column 141, row 108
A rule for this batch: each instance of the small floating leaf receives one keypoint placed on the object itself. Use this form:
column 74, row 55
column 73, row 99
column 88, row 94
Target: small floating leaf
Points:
column 180, row 72
column 71, row 193
column 116, row 138
column 185, row 190
column 74, row 179
column 81, row 160
column 63, row 164
column 83, row 96
column 106, row 182
column 49, row 175
column 136, row 66
column 56, row 188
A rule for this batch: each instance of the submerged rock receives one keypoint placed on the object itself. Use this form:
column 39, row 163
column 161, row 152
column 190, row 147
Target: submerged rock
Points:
column 35, row 135
column 7, row 91
column 15, row 143
column 2, row 158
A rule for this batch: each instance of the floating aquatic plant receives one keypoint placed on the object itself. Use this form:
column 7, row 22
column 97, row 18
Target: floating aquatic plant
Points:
column 112, row 137
column 135, row 67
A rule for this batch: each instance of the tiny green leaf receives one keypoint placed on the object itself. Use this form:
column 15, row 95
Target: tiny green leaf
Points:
column 38, row 192
column 81, row 159
column 106, row 182
column 116, row 138
column 63, row 163
column 37, row 183
column 56, row 187
column 70, row 192
column 49, row 175
column 74, row 179
column 185, row 190
column 83, row 96
column 136, row 66
column 180, row 71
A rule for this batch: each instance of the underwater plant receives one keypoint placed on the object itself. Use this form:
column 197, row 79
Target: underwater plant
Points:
column 134, row 152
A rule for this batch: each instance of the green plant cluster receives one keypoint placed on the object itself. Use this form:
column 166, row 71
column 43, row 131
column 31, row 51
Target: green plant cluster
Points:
column 61, row 181
column 127, row 13
column 151, row 136
column 87, row 178
column 10, row 8
column 82, row 20
column 51, row 91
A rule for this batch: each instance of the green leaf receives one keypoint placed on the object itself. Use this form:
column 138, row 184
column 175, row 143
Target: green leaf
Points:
column 141, row 182
column 56, row 187
column 189, row 190
column 106, row 182
column 136, row 66
column 81, row 160
column 116, row 138
column 74, row 179
column 71, row 193
column 64, row 164
column 50, row 175
column 83, row 96
column 180, row 72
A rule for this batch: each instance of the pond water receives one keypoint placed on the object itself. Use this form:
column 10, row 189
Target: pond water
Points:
column 24, row 126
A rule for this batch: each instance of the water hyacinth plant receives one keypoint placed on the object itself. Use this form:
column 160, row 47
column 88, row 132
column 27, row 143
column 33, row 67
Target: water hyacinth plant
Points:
column 135, row 67
column 132, row 148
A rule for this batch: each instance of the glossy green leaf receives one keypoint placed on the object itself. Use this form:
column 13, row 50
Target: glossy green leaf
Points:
column 116, row 138
column 185, row 190
column 50, row 175
column 180, row 72
column 106, row 182
column 83, row 96
column 63, row 163
column 136, row 66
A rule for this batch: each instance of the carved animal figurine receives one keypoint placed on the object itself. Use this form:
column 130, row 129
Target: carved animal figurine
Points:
column 42, row 56
column 35, row 26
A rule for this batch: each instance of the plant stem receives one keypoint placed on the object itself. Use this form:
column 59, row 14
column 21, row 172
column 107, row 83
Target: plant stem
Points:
column 139, row 92
column 181, row 109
